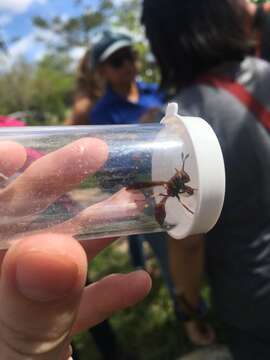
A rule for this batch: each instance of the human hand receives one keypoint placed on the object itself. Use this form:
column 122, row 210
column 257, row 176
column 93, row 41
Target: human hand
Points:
column 200, row 333
column 43, row 299
column 46, row 180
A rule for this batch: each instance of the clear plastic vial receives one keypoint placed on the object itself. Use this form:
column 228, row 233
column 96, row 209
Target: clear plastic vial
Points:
column 156, row 177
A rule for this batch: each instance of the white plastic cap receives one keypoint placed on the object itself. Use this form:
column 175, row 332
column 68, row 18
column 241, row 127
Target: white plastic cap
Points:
column 197, row 142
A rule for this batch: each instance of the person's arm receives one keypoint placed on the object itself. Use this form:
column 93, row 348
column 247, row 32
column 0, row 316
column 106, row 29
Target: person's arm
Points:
column 187, row 264
column 80, row 112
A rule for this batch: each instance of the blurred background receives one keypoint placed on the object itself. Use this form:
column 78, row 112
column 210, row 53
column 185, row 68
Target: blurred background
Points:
column 41, row 43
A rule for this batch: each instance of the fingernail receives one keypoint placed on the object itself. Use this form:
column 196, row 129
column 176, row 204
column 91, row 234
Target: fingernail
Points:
column 42, row 276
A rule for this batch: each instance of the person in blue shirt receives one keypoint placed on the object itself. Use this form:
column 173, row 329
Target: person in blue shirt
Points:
column 127, row 101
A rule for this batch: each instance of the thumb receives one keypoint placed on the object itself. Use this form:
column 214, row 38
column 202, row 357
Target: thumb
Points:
column 42, row 278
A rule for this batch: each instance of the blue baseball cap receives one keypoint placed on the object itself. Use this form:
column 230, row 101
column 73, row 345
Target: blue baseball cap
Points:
column 107, row 44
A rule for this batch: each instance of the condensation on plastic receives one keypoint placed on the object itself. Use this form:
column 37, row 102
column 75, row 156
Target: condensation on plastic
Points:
column 127, row 195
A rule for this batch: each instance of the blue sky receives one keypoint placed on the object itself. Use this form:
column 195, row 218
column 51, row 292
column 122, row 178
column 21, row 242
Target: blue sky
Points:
column 16, row 21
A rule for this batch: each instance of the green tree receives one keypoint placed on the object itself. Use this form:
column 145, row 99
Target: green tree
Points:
column 16, row 87
column 53, row 84
column 79, row 30
column 44, row 89
column 128, row 16
column 3, row 45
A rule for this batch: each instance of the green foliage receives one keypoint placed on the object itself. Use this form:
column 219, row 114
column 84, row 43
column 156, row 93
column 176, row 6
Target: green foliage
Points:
column 53, row 84
column 44, row 89
column 40, row 22
column 148, row 329
column 2, row 45
column 128, row 16
column 16, row 90
column 79, row 30
column 76, row 31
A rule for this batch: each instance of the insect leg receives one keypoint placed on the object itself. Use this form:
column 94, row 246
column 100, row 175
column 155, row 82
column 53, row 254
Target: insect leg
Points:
column 184, row 158
column 188, row 190
column 185, row 206
column 160, row 212
column 145, row 185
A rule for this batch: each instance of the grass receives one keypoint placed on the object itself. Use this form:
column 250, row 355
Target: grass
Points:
column 149, row 329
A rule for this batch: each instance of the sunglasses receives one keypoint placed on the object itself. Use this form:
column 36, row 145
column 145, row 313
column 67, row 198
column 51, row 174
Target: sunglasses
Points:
column 117, row 60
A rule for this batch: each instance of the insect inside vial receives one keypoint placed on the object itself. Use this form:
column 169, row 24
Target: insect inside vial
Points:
column 174, row 187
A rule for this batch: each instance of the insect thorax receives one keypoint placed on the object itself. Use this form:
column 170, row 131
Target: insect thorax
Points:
column 175, row 186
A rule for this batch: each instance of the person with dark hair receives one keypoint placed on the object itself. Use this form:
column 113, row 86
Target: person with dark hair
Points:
column 126, row 99
column 201, row 48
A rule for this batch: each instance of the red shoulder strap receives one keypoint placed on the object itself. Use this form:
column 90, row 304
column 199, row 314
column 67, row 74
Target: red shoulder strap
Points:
column 241, row 93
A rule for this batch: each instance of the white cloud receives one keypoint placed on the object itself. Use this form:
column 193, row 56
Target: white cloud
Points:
column 31, row 44
column 30, row 48
column 39, row 54
column 77, row 53
column 17, row 50
column 120, row 2
column 18, row 6
column 21, row 48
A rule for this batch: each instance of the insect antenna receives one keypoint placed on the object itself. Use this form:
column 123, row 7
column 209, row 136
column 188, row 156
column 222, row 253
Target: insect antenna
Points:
column 185, row 206
column 184, row 158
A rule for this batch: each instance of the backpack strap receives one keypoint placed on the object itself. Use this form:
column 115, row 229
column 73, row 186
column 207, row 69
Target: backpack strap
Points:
column 240, row 93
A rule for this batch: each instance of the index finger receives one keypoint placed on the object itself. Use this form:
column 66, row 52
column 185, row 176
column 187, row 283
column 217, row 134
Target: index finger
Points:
column 51, row 176
column 12, row 157
column 45, row 180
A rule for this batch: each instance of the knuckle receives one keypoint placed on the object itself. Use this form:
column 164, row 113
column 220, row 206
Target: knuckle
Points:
column 26, row 341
